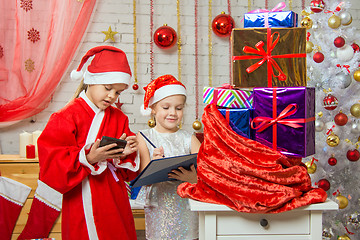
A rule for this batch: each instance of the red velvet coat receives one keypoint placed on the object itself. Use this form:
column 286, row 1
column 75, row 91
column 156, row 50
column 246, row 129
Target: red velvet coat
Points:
column 94, row 203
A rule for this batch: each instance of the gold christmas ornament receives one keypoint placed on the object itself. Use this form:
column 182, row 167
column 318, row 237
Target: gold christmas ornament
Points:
column 151, row 123
column 357, row 75
column 197, row 125
column 309, row 47
column 334, row 21
column 342, row 201
column 311, row 168
column 344, row 237
column 306, row 22
column 355, row 110
column 333, row 140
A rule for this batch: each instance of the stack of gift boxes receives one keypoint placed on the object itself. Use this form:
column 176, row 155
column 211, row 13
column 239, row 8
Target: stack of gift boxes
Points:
column 268, row 100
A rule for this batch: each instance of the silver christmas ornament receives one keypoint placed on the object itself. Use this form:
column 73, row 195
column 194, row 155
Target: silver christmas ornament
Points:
column 319, row 125
column 345, row 18
column 355, row 127
column 345, row 53
column 341, row 80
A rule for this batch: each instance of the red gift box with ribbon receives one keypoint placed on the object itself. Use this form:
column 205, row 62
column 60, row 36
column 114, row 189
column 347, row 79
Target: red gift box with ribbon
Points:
column 267, row 57
column 284, row 119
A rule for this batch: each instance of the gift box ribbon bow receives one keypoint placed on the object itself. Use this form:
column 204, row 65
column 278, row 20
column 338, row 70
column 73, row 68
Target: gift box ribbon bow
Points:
column 266, row 56
column 266, row 122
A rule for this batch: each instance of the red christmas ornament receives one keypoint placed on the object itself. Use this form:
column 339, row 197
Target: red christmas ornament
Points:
column 330, row 102
column 355, row 47
column 339, row 42
column 318, row 57
column 324, row 184
column 353, row 155
column 332, row 161
column 317, row 6
column 165, row 37
column 340, row 119
column 135, row 87
column 222, row 25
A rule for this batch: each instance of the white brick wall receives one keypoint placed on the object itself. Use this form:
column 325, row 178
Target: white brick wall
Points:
column 118, row 15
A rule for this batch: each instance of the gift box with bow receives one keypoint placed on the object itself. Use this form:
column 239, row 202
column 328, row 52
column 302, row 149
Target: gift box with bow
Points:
column 267, row 57
column 284, row 119
column 227, row 96
column 275, row 17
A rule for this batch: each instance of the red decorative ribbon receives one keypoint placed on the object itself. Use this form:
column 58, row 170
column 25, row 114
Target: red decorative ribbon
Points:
column 337, row 9
column 308, row 34
column 351, row 233
column 330, row 130
column 313, row 160
column 267, row 57
column 266, row 122
column 345, row 66
column 216, row 91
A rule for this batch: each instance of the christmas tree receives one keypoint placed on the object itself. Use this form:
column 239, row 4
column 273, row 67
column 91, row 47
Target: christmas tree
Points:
column 333, row 69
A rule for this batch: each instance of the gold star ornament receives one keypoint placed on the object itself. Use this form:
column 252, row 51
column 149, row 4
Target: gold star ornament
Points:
column 109, row 34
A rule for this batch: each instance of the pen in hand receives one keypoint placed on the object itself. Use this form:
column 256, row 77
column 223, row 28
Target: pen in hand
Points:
column 148, row 140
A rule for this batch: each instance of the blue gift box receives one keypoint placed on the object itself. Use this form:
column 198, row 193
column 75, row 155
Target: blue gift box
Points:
column 274, row 19
column 239, row 120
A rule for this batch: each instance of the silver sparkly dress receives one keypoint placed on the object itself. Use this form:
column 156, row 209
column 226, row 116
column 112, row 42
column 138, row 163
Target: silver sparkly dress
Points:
column 168, row 216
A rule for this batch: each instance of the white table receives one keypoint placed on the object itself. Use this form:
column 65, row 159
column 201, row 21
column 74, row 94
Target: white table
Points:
column 219, row 222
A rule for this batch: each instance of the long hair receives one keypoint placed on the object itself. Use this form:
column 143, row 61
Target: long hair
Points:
column 82, row 86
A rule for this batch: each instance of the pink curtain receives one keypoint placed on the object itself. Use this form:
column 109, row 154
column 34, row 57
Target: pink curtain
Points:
column 38, row 39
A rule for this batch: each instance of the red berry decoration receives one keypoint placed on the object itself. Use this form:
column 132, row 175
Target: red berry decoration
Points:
column 355, row 47
column 330, row 102
column 222, row 25
column 135, row 87
column 332, row 161
column 165, row 37
column 324, row 184
column 317, row 6
column 339, row 42
column 353, row 155
column 318, row 57
column 340, row 119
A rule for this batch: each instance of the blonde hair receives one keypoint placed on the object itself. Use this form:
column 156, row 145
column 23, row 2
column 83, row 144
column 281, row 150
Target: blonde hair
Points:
column 82, row 86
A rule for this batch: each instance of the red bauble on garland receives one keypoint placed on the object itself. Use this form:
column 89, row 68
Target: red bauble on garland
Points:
column 165, row 37
column 135, row 87
column 317, row 6
column 318, row 57
column 222, row 25
column 340, row 119
column 332, row 161
column 330, row 102
column 324, row 184
column 353, row 155
column 339, row 42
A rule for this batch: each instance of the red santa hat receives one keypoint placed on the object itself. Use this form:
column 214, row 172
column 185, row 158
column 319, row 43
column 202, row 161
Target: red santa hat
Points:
column 160, row 88
column 110, row 65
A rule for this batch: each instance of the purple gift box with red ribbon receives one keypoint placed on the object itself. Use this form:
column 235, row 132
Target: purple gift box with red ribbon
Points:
column 284, row 119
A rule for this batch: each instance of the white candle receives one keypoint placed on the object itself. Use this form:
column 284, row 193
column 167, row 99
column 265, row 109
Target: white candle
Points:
column 35, row 136
column 25, row 139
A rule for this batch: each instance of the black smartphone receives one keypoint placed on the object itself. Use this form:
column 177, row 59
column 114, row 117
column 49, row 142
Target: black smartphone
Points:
column 109, row 140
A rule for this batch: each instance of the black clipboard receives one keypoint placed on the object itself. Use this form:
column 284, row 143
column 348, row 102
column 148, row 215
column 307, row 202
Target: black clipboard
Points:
column 157, row 170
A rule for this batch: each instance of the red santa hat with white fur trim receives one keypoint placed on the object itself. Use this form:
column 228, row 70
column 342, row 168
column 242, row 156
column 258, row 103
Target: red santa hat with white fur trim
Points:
column 109, row 66
column 160, row 88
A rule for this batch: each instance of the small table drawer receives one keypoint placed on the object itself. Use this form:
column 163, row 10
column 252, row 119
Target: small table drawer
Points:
column 290, row 223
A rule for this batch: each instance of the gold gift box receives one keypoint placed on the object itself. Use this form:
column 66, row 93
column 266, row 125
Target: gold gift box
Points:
column 285, row 56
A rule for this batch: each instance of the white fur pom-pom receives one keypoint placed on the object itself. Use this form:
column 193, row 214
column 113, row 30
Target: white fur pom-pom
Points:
column 145, row 112
column 76, row 75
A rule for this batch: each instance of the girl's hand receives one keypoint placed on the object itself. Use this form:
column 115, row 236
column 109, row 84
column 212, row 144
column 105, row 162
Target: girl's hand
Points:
column 184, row 175
column 158, row 153
column 99, row 154
column 131, row 145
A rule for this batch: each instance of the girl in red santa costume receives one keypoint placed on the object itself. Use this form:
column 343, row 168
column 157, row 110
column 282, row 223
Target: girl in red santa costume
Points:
column 90, row 178
column 167, row 216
